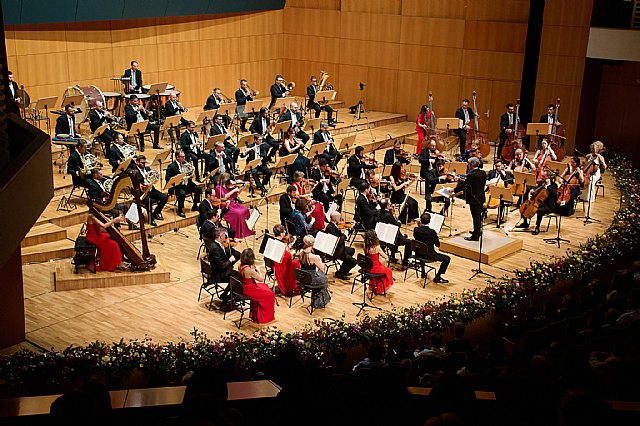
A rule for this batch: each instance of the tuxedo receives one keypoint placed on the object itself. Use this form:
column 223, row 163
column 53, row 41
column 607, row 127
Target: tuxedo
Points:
column 432, row 179
column 330, row 153
column 390, row 158
column 186, row 144
column 115, row 157
column 241, row 100
column 95, row 189
column 425, row 162
column 97, row 119
column 203, row 212
column 355, row 170
column 211, row 103
column 387, row 217
column 229, row 147
column 136, row 80
column 153, row 196
column 131, row 116
column 214, row 163
column 312, row 104
column 287, row 116
column 277, row 91
column 64, row 127
column 74, row 166
column 171, row 110
column 286, row 209
column 429, row 237
column 342, row 252
column 13, row 91
column 462, row 133
column 258, row 128
column 222, row 267
column 547, row 118
column 182, row 190
column 208, row 230
column 506, row 120
column 366, row 212
column 319, row 190
column 262, row 168
column 473, row 187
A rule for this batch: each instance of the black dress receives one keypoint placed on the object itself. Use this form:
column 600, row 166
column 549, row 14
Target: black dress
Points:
column 319, row 283
column 410, row 212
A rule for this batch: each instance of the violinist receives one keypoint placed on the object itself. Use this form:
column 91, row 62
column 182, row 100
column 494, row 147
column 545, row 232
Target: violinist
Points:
column 399, row 181
column 366, row 207
column 222, row 259
column 546, row 206
column 259, row 150
column 438, row 174
column 387, row 216
column 286, row 203
column 396, row 155
column 427, row 157
column 472, row 152
column 593, row 168
column 284, row 269
column 237, row 213
column 342, row 252
column 357, row 164
column 379, row 187
column 302, row 219
column 204, row 210
column 499, row 177
column 506, row 120
column 325, row 179
column 464, row 114
column 209, row 226
column 543, row 155
column 574, row 180
column 317, row 209
column 330, row 152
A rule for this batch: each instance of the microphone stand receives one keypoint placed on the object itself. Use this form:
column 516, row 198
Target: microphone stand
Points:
column 479, row 271
column 557, row 238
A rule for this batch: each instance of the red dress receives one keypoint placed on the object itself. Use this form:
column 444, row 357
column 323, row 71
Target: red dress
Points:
column 284, row 274
column 380, row 285
column 263, row 300
column 317, row 212
column 109, row 253
column 421, row 132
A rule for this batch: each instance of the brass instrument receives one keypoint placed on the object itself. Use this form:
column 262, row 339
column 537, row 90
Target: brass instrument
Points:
column 127, row 151
column 151, row 178
column 253, row 93
column 187, row 169
column 323, row 85
column 108, row 184
column 290, row 85
column 89, row 162
column 226, row 99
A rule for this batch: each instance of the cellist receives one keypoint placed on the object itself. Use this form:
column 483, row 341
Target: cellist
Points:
column 574, row 177
column 545, row 205
column 542, row 157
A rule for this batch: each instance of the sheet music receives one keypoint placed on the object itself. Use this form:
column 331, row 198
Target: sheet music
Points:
column 326, row 243
column 386, row 232
column 274, row 250
column 132, row 213
column 445, row 191
column 253, row 218
column 436, row 222
column 332, row 208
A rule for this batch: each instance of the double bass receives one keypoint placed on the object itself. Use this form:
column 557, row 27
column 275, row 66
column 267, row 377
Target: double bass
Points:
column 431, row 131
column 477, row 131
column 514, row 139
column 556, row 137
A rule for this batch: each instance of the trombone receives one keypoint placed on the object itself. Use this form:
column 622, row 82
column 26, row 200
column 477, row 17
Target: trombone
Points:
column 253, row 93
column 226, row 99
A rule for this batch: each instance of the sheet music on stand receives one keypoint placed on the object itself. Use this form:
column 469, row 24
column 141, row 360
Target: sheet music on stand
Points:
column 132, row 214
column 387, row 232
column 253, row 218
column 445, row 191
column 333, row 207
column 274, row 250
column 436, row 222
column 326, row 243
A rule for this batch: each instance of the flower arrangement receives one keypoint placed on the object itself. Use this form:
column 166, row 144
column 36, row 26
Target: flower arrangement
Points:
column 120, row 359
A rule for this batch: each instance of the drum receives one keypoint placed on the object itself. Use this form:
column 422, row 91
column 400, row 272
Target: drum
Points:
column 91, row 95
column 164, row 96
column 148, row 86
column 112, row 100
column 142, row 97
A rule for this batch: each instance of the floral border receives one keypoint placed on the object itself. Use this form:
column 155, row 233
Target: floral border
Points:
column 121, row 359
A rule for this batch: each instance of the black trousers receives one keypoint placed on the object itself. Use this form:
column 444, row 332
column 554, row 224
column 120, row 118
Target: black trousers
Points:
column 176, row 135
column 151, row 127
column 439, row 257
column 181, row 192
column 476, row 215
column 462, row 134
column 302, row 136
column 326, row 199
column 317, row 108
column 348, row 261
column 232, row 151
column 402, row 241
column 503, row 139
column 194, row 157
column 263, row 171
column 107, row 137
column 331, row 159
column 157, row 197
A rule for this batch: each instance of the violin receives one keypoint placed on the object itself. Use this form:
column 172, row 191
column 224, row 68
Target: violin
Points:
column 404, row 175
column 229, row 242
column 220, row 203
column 289, row 239
column 344, row 224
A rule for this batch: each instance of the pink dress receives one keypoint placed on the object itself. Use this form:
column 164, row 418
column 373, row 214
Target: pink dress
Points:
column 263, row 300
column 237, row 215
column 109, row 253
column 380, row 285
column 284, row 274
column 317, row 211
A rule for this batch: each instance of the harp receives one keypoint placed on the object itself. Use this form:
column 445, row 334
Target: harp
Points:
column 139, row 261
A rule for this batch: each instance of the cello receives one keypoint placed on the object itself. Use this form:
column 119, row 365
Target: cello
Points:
column 477, row 132
column 514, row 139
column 431, row 131
column 570, row 184
column 556, row 137
column 530, row 207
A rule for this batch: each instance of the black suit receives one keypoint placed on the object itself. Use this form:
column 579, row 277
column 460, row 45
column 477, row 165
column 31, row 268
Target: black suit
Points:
column 186, row 144
column 258, row 128
column 97, row 119
column 203, row 209
column 318, row 191
column 462, row 133
column 342, row 252
column 545, row 118
column 286, row 209
column 425, row 162
column 137, row 83
column 182, row 190
column 74, row 167
column 262, row 168
column 62, row 125
column 208, row 230
column 242, row 99
column 355, row 166
column 229, row 147
column 504, row 125
column 387, row 217
column 214, row 163
column 474, row 196
column 153, row 195
column 366, row 212
column 95, row 192
column 131, row 116
column 13, row 91
column 429, row 237
column 214, row 103
column 277, row 91
column 312, row 104
column 115, row 157
column 171, row 110
column 286, row 116
column 390, row 158
column 222, row 267
column 330, row 153
column 432, row 179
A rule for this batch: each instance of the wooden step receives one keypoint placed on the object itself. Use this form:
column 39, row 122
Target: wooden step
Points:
column 48, row 251
column 370, row 120
column 65, row 279
column 45, row 233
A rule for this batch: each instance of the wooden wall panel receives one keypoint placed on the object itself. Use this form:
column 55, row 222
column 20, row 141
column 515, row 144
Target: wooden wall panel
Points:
column 572, row 13
column 10, row 43
column 350, row 76
column 561, row 70
column 35, row 40
column 93, row 63
column 135, row 32
column 492, row 65
column 393, row 7
column 220, row 28
column 569, row 107
column 498, row 10
column 368, row 26
column 446, row 93
column 503, row 92
column 314, row 4
column 176, row 29
column 85, row 36
column 39, row 70
column 147, row 57
column 565, row 41
column 451, row 9
column 323, row 49
column 432, row 31
column 413, row 91
column 384, row 83
column 369, row 53
column 314, row 22
column 496, row 36
column 442, row 60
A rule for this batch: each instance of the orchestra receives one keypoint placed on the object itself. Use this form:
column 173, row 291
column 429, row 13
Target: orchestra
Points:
column 312, row 89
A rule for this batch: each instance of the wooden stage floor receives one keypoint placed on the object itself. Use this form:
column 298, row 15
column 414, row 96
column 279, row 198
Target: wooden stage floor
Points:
column 169, row 311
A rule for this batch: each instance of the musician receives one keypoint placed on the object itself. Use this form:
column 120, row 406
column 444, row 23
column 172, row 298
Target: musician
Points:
column 218, row 158
column 98, row 116
column 429, row 237
column 366, row 207
column 152, row 196
column 135, row 113
column 210, row 224
column 116, row 154
column 312, row 89
column 190, row 145
column 324, row 191
column 542, row 157
column 181, row 190
column 261, row 125
column 594, row 172
column 278, row 90
column 387, row 216
column 423, row 122
column 473, row 187
column 396, row 155
column 548, row 118
column 330, row 153
column 290, row 144
column 506, row 120
column 499, row 176
column 379, row 187
column 14, row 102
column 215, row 101
column 173, row 108
column 243, row 94
column 287, row 204
column 548, row 204
column 95, row 186
column 66, row 123
column 302, row 219
column 342, row 252
column 356, row 167
column 134, row 85
column 521, row 163
column 573, row 185
column 399, row 181
column 437, row 174
column 465, row 115
column 297, row 121
column 218, row 128
column 259, row 150
column 427, row 157
column 75, row 164
column 222, row 260
column 316, row 207
column 472, row 152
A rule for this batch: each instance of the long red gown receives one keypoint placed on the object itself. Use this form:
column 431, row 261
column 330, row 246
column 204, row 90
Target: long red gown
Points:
column 380, row 285
column 263, row 300
column 317, row 211
column 284, row 274
column 421, row 132
column 109, row 253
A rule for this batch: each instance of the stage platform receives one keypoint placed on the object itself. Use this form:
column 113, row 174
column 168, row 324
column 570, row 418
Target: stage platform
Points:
column 65, row 279
column 495, row 246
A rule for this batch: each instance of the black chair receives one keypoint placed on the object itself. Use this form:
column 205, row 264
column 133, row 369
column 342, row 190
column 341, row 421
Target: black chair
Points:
column 238, row 300
column 304, row 280
column 357, row 228
column 418, row 261
column 85, row 254
column 270, row 274
column 209, row 284
column 364, row 276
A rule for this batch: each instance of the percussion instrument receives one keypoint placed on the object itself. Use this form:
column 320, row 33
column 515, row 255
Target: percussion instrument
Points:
column 91, row 95
column 112, row 101
column 144, row 98
column 164, row 96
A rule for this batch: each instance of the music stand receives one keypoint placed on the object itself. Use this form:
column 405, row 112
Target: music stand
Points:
column 266, row 198
column 285, row 161
column 75, row 100
column 538, row 129
column 526, row 179
column 155, row 90
column 326, row 96
column 479, row 271
column 249, row 166
column 123, row 166
column 448, row 124
column 213, row 140
column 312, row 124
column 206, row 116
column 171, row 123
column 281, row 127
column 317, row 149
column 505, row 195
column 252, row 106
column 99, row 131
column 556, row 167
column 347, row 142
column 162, row 157
column 456, row 167
column 46, row 104
column 447, row 190
column 283, row 102
column 139, row 128
column 172, row 183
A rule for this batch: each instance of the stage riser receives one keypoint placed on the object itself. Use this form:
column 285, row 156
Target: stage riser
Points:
column 459, row 247
column 51, row 233
column 48, row 251
column 363, row 124
column 66, row 280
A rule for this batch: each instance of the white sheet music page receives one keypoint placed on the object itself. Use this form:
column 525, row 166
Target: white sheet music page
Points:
column 386, row 232
column 274, row 250
column 326, row 243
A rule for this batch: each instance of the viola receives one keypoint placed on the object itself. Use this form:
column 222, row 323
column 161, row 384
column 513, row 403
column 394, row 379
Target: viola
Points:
column 229, row 242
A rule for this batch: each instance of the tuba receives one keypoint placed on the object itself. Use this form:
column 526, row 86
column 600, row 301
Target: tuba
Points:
column 187, row 169
column 324, row 85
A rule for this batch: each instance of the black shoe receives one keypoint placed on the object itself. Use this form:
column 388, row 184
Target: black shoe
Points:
column 181, row 214
column 225, row 307
column 142, row 149
column 157, row 216
column 438, row 279
column 239, row 200
column 523, row 225
column 153, row 223
column 341, row 277
column 194, row 208
column 471, row 238
column 156, row 146
column 263, row 192
column 331, row 124
column 536, row 231
column 133, row 227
